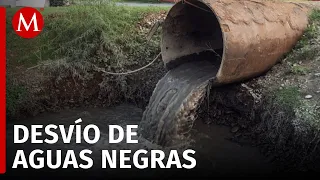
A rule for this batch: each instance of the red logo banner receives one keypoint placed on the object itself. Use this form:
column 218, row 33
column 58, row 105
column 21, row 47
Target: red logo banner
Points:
column 27, row 22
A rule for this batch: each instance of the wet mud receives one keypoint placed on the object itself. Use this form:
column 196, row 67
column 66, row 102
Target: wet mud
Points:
column 215, row 154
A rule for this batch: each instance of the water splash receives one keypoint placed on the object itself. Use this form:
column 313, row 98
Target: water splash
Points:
column 171, row 112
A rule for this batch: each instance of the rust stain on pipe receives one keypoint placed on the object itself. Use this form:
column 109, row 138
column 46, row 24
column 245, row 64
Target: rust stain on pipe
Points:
column 251, row 35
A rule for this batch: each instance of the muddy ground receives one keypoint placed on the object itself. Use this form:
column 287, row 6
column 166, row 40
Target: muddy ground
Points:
column 215, row 152
column 228, row 132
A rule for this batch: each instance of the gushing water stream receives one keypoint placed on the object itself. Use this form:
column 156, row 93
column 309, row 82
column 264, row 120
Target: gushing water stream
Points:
column 171, row 112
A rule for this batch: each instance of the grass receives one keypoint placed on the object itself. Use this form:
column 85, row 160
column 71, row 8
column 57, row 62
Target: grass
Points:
column 24, row 51
column 312, row 30
column 315, row 16
column 75, row 31
column 287, row 97
column 20, row 52
column 15, row 95
column 77, row 39
column 289, row 121
column 141, row 1
column 299, row 70
column 308, row 46
column 106, row 1
column 307, row 49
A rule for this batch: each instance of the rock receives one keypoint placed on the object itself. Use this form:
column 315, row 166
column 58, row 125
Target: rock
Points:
column 235, row 129
column 308, row 96
column 317, row 74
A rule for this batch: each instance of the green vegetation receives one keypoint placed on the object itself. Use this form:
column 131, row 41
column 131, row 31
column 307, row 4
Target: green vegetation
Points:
column 290, row 120
column 299, row 70
column 287, row 97
column 25, row 51
column 84, row 33
column 141, row 1
column 309, row 114
column 78, row 40
column 315, row 16
column 307, row 50
column 15, row 96
column 58, row 2
column 308, row 47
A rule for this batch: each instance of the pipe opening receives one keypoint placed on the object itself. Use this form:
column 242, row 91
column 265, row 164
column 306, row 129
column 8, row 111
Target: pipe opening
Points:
column 191, row 32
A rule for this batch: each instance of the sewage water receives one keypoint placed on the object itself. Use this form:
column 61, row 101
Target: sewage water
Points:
column 215, row 154
column 171, row 112
column 167, row 121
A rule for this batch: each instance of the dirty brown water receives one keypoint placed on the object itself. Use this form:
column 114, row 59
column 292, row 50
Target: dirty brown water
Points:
column 171, row 111
column 215, row 154
column 168, row 120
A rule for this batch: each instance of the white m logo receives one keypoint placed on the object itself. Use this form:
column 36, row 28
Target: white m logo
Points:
column 27, row 26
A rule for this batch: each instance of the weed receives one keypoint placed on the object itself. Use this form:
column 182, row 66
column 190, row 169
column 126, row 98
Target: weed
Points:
column 308, row 46
column 313, row 27
column 74, row 42
column 15, row 95
column 141, row 1
column 287, row 97
column 289, row 122
column 299, row 70
column 106, row 35
column 315, row 16
column 309, row 113
column 58, row 2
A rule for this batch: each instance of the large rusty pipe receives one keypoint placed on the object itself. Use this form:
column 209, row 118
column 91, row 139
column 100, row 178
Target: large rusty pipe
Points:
column 249, row 35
